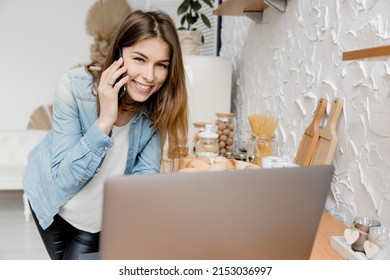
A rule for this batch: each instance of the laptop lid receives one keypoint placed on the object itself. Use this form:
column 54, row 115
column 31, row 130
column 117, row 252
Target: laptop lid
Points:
column 242, row 214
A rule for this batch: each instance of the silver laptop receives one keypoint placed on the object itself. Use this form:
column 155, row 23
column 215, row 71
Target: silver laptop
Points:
column 245, row 214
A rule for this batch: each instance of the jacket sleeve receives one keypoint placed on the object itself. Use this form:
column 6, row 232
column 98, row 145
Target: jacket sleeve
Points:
column 76, row 154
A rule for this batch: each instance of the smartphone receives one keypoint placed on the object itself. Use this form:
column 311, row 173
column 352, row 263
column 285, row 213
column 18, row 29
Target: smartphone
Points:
column 122, row 90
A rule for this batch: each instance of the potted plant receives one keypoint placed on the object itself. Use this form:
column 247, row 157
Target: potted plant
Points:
column 191, row 38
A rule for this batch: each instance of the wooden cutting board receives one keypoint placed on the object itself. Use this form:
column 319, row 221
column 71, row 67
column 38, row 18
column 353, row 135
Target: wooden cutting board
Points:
column 328, row 139
column 310, row 137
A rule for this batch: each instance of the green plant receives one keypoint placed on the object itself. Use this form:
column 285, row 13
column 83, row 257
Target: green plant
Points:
column 190, row 11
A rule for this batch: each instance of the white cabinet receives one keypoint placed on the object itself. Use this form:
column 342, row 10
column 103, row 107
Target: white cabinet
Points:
column 209, row 82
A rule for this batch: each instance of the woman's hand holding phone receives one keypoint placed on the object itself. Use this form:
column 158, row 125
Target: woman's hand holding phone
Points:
column 108, row 90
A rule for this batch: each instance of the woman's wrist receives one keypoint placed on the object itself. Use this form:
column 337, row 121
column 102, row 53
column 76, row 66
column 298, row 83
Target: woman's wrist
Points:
column 104, row 126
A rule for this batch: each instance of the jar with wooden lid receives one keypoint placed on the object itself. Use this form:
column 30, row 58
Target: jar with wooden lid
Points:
column 226, row 126
column 208, row 143
column 199, row 127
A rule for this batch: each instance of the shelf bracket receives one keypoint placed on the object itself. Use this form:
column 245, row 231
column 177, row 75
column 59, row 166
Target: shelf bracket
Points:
column 255, row 16
column 280, row 5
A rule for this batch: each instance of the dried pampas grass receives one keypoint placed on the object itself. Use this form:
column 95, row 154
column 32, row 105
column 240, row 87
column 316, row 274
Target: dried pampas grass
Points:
column 104, row 18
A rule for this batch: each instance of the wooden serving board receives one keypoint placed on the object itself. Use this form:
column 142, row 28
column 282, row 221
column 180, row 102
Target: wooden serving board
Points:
column 310, row 138
column 328, row 138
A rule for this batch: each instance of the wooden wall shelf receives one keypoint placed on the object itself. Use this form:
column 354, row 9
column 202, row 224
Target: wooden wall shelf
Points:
column 367, row 53
column 251, row 8
column 238, row 7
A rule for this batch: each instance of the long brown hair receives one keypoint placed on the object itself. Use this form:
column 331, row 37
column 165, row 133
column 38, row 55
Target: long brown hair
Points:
column 167, row 108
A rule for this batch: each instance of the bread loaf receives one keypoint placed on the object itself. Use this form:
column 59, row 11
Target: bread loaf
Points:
column 198, row 164
column 189, row 170
column 184, row 161
column 205, row 159
column 204, row 163
column 218, row 166
column 251, row 167
column 227, row 162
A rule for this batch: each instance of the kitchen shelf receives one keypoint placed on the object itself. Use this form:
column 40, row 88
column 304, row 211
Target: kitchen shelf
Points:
column 238, row 7
column 367, row 53
column 251, row 8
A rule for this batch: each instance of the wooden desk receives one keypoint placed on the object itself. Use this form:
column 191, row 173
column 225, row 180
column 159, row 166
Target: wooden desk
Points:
column 329, row 226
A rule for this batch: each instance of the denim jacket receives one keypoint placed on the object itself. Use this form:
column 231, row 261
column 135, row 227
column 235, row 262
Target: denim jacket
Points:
column 71, row 153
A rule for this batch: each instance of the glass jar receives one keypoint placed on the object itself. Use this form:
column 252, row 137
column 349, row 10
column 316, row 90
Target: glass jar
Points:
column 226, row 126
column 265, row 144
column 253, row 154
column 259, row 146
column 208, row 143
column 199, row 127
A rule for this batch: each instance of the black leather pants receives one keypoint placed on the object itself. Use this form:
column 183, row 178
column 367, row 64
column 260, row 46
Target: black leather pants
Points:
column 65, row 242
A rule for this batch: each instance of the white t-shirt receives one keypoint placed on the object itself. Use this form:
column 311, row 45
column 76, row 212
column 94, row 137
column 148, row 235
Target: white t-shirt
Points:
column 84, row 211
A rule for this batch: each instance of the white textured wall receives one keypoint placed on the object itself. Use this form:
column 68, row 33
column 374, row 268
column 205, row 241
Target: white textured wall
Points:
column 284, row 65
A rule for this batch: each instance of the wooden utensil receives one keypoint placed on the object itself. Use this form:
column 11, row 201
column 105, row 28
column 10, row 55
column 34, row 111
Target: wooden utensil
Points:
column 310, row 137
column 328, row 139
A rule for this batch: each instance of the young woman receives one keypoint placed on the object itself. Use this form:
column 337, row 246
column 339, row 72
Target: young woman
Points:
column 97, row 134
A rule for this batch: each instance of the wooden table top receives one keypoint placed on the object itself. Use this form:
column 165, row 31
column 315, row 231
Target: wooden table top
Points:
column 329, row 226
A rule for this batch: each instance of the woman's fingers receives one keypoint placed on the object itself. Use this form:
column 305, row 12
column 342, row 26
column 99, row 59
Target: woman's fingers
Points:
column 113, row 72
column 108, row 91
column 121, row 82
column 111, row 78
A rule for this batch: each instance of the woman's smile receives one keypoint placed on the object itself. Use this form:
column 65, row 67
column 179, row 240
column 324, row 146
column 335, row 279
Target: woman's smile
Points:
column 142, row 87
